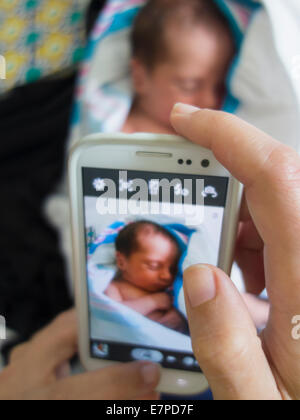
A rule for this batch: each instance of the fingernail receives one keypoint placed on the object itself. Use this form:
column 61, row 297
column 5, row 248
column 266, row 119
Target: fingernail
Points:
column 200, row 285
column 150, row 373
column 185, row 109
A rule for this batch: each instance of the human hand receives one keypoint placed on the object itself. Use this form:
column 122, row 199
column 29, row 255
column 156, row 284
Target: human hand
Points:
column 259, row 309
column 238, row 364
column 37, row 371
column 174, row 320
column 163, row 301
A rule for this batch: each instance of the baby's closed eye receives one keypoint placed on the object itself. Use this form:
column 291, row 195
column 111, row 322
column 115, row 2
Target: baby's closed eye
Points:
column 153, row 267
column 189, row 86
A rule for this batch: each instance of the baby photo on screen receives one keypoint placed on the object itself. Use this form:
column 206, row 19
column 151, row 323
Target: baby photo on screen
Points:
column 135, row 271
column 147, row 256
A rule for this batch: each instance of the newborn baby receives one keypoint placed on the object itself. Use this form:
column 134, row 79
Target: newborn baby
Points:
column 181, row 52
column 147, row 259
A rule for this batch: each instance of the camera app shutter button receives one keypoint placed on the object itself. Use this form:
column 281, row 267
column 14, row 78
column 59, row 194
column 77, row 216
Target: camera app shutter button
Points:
column 147, row 354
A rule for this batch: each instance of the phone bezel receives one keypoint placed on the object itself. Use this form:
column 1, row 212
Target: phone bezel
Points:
column 120, row 151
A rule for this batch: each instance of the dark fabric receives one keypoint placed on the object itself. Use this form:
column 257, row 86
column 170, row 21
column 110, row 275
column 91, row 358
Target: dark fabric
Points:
column 95, row 7
column 34, row 125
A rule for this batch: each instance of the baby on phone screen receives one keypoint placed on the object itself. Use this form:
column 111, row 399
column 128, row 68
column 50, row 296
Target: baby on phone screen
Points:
column 147, row 258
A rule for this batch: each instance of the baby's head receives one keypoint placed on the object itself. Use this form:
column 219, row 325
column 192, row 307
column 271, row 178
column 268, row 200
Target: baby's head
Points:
column 182, row 50
column 147, row 256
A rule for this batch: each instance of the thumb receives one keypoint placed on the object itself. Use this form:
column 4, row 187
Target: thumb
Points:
column 225, row 340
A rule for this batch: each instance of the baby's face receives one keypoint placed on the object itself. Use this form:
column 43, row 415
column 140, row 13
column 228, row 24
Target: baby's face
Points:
column 153, row 267
column 194, row 72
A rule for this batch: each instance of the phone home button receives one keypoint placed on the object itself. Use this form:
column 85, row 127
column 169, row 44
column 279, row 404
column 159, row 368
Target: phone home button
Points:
column 147, row 354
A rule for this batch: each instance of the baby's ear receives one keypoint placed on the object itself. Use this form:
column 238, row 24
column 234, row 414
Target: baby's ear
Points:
column 140, row 76
column 121, row 260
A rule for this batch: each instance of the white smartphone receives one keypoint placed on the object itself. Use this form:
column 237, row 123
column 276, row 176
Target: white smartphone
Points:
column 144, row 208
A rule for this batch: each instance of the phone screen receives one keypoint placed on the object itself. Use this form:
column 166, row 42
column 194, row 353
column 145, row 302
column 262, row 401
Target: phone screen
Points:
column 142, row 230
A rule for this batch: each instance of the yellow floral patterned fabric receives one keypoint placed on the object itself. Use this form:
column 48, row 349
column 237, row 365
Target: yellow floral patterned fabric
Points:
column 40, row 37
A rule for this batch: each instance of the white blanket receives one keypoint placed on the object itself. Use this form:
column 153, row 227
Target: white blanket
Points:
column 113, row 321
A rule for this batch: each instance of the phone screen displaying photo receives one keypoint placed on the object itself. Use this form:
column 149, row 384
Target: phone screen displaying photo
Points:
column 142, row 230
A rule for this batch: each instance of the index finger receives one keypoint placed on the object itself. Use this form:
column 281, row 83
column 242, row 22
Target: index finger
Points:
column 270, row 172
column 231, row 140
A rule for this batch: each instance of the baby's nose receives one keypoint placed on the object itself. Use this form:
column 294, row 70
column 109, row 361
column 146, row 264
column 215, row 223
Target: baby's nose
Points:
column 209, row 99
column 166, row 275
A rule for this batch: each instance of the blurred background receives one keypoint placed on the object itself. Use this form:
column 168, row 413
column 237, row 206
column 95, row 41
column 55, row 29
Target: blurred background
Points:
column 54, row 66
